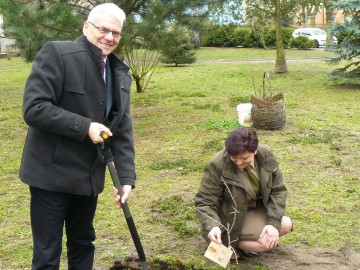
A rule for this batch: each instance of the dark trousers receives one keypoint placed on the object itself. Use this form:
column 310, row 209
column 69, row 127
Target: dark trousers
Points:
column 49, row 212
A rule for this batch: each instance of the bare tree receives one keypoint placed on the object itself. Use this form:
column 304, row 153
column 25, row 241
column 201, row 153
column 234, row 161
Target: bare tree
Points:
column 143, row 63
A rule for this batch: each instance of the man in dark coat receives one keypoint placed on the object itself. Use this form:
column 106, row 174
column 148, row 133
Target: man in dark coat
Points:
column 68, row 100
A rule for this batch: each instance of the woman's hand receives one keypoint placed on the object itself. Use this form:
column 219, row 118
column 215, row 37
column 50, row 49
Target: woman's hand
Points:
column 271, row 236
column 215, row 235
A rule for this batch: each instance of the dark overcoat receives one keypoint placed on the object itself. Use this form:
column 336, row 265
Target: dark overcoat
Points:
column 63, row 95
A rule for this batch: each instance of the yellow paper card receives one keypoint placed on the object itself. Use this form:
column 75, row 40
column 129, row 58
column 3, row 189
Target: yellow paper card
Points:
column 219, row 254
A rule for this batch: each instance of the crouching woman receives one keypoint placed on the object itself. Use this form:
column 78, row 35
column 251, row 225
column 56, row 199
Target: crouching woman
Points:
column 242, row 197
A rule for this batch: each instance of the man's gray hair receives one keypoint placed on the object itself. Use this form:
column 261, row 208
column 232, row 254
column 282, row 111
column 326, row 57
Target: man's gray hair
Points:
column 107, row 8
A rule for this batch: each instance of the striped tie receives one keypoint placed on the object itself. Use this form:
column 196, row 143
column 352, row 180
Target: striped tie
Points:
column 103, row 69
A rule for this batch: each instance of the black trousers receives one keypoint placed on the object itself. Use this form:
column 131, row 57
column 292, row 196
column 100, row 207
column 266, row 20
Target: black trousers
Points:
column 49, row 211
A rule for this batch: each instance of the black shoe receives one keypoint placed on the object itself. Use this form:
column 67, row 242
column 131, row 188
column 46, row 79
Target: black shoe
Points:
column 250, row 254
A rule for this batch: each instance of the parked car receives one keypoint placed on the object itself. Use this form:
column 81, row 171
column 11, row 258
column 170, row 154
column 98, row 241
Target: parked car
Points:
column 316, row 34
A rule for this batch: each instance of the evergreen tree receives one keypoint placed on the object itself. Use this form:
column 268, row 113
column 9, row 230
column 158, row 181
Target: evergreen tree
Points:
column 36, row 22
column 348, row 49
column 177, row 48
column 32, row 23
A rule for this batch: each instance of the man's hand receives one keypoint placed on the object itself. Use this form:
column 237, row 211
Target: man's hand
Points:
column 271, row 235
column 126, row 189
column 215, row 235
column 94, row 132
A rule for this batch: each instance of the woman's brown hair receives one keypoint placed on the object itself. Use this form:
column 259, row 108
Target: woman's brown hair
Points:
column 241, row 140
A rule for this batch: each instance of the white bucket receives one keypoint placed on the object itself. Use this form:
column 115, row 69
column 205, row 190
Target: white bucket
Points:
column 244, row 114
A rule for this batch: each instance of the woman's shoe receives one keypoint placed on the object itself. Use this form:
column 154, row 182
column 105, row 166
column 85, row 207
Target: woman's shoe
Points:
column 250, row 254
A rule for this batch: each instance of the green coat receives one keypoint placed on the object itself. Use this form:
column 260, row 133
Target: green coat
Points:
column 214, row 202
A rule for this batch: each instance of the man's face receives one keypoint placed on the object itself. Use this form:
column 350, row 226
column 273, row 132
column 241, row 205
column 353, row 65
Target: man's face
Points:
column 244, row 159
column 106, row 42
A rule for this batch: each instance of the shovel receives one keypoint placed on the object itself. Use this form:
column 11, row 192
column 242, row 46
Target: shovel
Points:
column 105, row 148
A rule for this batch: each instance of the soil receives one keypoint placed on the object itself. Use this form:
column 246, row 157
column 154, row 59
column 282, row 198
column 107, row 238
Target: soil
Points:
column 284, row 257
column 303, row 257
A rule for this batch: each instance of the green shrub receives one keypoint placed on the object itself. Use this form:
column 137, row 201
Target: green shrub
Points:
column 270, row 36
column 251, row 41
column 240, row 36
column 221, row 37
column 233, row 36
column 302, row 43
column 287, row 36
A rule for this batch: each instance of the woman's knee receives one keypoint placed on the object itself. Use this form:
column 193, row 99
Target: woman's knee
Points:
column 286, row 225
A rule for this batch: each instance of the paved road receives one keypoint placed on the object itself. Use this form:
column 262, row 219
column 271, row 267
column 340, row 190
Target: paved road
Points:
column 291, row 60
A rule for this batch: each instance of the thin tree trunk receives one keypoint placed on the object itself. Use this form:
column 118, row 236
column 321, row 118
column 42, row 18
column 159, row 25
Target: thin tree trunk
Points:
column 280, row 64
column 139, row 88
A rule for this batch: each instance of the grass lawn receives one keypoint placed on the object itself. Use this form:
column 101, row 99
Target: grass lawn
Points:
column 180, row 122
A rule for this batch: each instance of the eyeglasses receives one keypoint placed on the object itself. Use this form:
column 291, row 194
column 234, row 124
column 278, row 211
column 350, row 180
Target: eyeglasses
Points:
column 105, row 31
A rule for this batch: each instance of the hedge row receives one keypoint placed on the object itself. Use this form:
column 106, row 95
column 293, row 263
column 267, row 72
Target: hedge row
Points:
column 233, row 36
